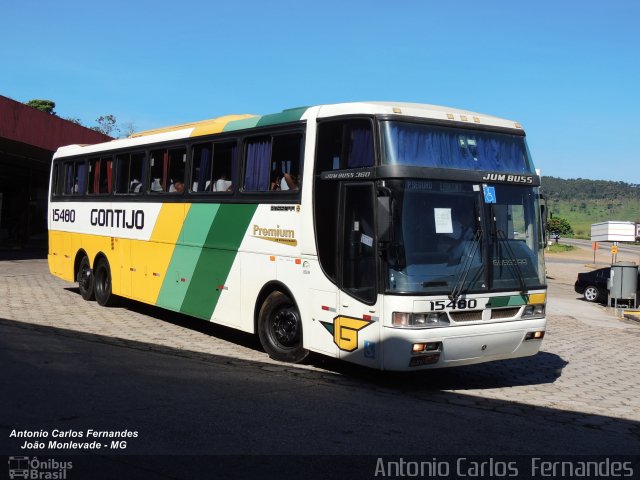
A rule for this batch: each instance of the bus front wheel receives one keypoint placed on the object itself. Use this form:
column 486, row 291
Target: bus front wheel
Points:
column 280, row 329
column 85, row 279
column 102, row 284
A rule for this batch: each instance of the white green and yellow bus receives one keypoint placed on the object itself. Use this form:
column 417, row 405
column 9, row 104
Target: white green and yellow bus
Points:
column 392, row 235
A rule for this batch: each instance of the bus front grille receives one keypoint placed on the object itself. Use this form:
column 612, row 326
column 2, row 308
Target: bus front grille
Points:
column 501, row 313
column 468, row 316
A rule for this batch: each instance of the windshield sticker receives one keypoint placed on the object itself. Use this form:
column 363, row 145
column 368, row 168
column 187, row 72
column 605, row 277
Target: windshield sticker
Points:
column 489, row 194
column 367, row 240
column 443, row 220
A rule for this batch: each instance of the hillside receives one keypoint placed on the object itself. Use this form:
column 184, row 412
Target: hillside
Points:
column 583, row 202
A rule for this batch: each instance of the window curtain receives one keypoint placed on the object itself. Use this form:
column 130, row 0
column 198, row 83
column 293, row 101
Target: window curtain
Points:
column 256, row 177
column 417, row 145
column 69, row 183
column 96, row 177
column 82, row 178
column 361, row 154
column 109, row 175
column 165, row 166
column 205, row 164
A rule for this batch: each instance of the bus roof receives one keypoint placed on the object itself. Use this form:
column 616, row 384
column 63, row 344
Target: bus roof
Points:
column 229, row 123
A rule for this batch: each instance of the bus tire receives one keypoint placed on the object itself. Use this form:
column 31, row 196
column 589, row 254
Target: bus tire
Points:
column 102, row 284
column 85, row 279
column 280, row 329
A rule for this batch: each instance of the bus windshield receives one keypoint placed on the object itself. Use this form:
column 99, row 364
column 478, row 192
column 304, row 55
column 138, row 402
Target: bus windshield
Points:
column 422, row 145
column 445, row 237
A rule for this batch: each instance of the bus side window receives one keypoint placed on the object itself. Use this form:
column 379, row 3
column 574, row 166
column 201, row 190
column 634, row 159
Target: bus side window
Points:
column 201, row 167
column 75, row 177
column 106, row 175
column 94, row 176
column 129, row 172
column 257, row 175
column 285, row 165
column 176, row 169
column 224, row 166
column 100, row 175
column 344, row 144
column 273, row 163
column 166, row 170
column 54, row 179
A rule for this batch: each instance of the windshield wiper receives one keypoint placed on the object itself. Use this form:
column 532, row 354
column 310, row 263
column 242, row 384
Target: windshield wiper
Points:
column 513, row 262
column 461, row 278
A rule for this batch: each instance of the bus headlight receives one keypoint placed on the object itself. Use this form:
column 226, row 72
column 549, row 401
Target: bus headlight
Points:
column 419, row 320
column 533, row 311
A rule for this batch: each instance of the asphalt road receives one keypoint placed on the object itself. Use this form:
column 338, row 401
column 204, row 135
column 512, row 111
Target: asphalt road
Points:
column 603, row 246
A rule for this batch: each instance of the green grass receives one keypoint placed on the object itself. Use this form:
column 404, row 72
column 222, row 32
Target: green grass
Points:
column 560, row 248
column 582, row 213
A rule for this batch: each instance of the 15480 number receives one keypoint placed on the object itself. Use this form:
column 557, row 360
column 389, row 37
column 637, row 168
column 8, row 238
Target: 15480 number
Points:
column 461, row 304
column 64, row 215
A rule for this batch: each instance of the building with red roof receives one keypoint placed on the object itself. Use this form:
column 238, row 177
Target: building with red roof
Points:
column 28, row 140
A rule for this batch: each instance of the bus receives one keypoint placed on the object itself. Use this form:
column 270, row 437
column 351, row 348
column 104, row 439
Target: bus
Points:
column 397, row 236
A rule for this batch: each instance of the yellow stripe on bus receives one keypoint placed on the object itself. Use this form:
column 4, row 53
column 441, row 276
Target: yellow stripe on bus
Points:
column 204, row 127
column 150, row 260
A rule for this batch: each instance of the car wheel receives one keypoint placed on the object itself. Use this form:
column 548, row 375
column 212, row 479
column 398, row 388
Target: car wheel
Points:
column 591, row 293
column 280, row 329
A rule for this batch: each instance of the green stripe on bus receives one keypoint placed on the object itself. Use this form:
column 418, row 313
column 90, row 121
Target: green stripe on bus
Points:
column 216, row 258
column 286, row 116
column 508, row 301
column 241, row 124
column 186, row 254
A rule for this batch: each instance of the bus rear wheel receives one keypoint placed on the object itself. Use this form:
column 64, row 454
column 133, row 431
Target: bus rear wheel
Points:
column 102, row 284
column 280, row 329
column 85, row 279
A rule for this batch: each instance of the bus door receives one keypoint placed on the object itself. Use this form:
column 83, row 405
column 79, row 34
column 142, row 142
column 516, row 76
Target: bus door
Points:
column 357, row 328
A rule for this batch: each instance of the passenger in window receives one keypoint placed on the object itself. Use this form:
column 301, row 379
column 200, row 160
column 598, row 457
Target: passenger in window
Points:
column 276, row 181
column 135, row 186
column 223, row 184
column 290, row 182
column 177, row 187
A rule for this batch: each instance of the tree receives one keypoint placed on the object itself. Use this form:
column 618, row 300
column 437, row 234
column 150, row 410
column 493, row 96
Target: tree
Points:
column 75, row 120
column 126, row 129
column 107, row 124
column 559, row 226
column 45, row 106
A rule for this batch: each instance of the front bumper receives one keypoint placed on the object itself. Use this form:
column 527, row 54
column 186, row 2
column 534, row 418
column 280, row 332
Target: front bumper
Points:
column 461, row 345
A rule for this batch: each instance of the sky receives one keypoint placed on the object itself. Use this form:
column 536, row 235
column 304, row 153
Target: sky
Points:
column 567, row 70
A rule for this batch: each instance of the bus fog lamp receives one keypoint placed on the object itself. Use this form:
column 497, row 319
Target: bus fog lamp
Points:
column 426, row 347
column 539, row 335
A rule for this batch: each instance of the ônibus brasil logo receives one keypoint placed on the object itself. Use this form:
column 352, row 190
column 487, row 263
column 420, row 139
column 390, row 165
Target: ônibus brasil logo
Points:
column 33, row 468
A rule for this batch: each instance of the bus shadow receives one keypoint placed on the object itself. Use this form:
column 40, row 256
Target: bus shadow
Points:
column 542, row 368
column 186, row 321
column 87, row 375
